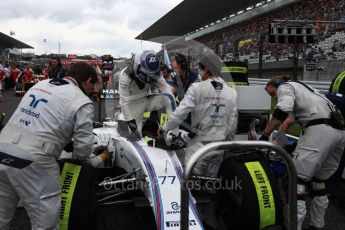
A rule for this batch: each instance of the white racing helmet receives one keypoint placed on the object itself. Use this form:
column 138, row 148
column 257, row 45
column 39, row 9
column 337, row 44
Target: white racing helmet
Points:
column 146, row 66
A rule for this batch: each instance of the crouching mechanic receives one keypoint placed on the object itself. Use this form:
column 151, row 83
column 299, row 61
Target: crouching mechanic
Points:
column 320, row 145
column 213, row 107
column 49, row 115
column 137, row 81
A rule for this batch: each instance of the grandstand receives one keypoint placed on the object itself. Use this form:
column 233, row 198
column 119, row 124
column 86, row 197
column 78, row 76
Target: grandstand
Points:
column 233, row 30
column 10, row 47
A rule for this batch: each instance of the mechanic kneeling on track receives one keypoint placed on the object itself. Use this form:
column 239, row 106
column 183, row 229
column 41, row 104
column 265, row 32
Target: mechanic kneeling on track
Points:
column 320, row 145
column 49, row 115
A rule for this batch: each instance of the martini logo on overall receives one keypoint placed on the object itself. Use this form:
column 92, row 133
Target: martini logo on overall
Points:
column 109, row 93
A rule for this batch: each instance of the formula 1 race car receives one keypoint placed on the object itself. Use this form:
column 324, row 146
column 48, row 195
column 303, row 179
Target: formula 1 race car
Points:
column 149, row 171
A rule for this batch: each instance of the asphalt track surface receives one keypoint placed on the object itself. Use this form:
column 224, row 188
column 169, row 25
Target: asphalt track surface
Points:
column 127, row 216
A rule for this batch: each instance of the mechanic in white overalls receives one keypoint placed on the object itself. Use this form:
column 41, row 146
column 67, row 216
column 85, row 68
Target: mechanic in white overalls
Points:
column 135, row 88
column 320, row 145
column 213, row 107
column 49, row 115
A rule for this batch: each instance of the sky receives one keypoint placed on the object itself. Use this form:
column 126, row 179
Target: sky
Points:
column 83, row 27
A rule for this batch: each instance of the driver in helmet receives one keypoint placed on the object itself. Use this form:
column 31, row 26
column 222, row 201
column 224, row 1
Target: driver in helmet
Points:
column 137, row 83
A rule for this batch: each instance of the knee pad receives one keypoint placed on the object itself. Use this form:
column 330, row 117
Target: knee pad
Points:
column 318, row 187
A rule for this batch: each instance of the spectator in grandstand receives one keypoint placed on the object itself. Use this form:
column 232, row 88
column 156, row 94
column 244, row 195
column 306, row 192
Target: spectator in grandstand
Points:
column 49, row 115
column 56, row 68
column 135, row 84
column 318, row 10
column 220, row 50
column 315, row 160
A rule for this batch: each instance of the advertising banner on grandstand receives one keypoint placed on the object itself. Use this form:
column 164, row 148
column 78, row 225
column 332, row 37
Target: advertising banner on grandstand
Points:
column 67, row 62
column 238, row 73
column 243, row 42
column 72, row 56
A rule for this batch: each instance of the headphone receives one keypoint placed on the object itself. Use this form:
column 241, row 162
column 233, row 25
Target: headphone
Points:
column 182, row 60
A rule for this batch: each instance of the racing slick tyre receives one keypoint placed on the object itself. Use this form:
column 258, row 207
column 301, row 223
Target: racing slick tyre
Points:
column 78, row 196
column 249, row 198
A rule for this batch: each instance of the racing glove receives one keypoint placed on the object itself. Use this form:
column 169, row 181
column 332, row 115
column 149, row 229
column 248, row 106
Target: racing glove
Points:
column 134, row 128
column 69, row 147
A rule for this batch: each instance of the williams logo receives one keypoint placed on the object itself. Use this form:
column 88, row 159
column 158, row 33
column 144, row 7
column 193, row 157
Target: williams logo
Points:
column 35, row 102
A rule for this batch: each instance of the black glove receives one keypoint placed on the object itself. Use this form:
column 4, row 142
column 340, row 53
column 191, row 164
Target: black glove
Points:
column 264, row 137
column 134, row 133
column 69, row 147
column 178, row 141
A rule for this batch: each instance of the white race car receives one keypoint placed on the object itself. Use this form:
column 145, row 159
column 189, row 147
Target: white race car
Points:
column 155, row 171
